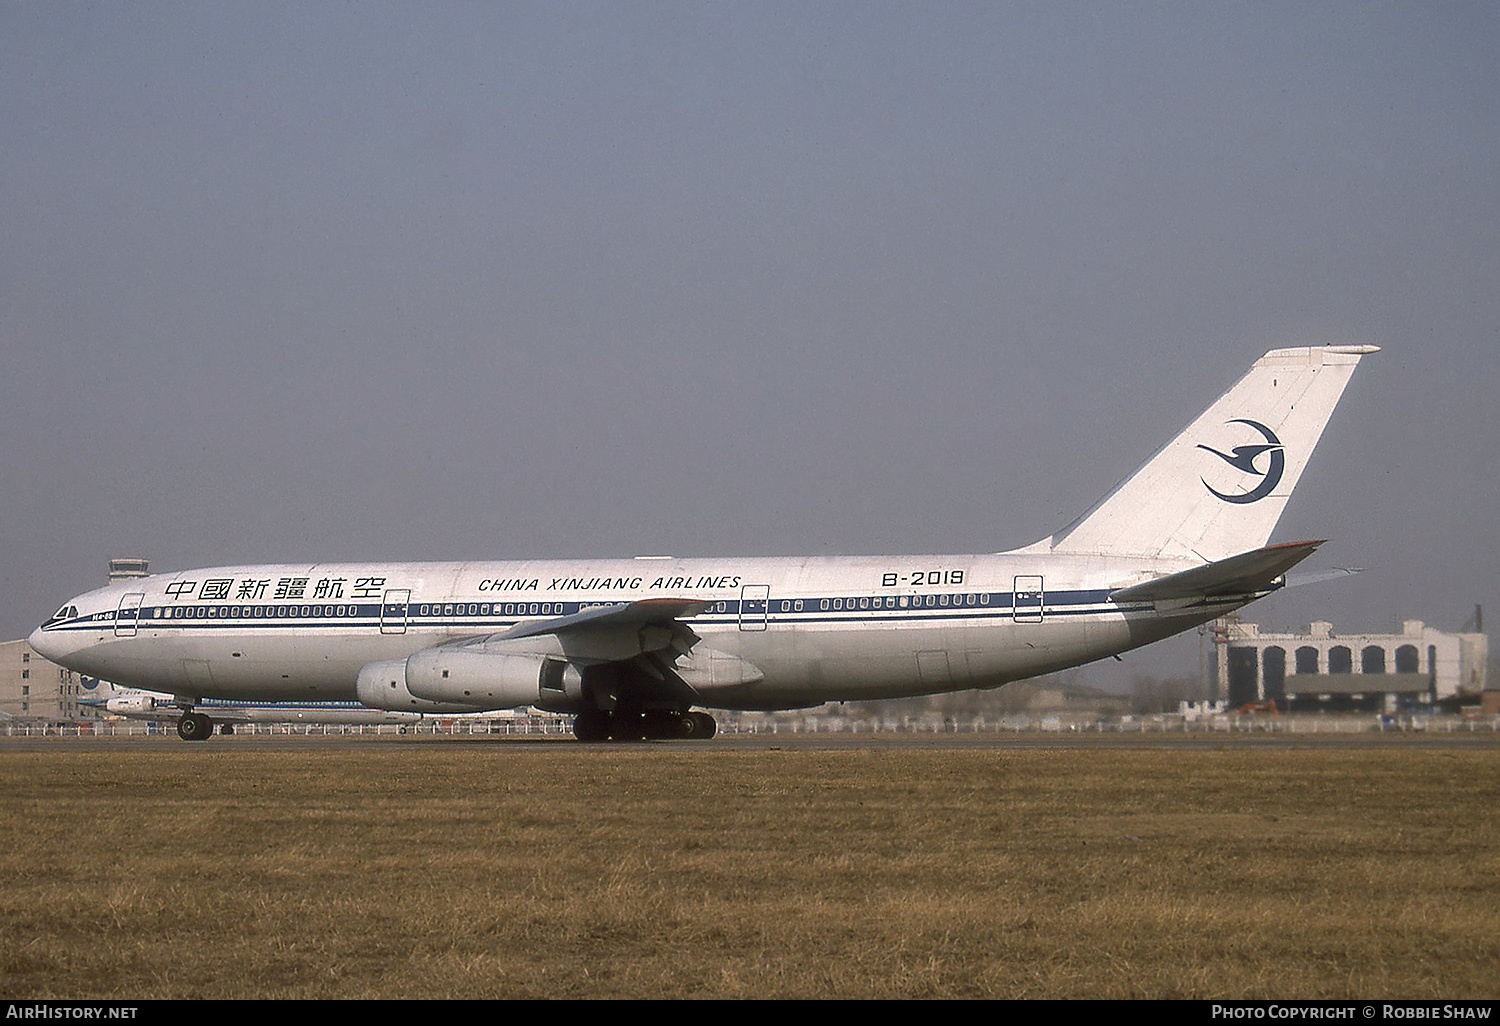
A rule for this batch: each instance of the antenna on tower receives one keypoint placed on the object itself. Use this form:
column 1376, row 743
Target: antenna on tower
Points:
column 1474, row 623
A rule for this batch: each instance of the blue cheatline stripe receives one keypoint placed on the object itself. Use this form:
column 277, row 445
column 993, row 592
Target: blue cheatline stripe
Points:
column 449, row 614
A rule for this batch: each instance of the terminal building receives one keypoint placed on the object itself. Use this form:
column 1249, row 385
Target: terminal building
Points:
column 31, row 688
column 1324, row 671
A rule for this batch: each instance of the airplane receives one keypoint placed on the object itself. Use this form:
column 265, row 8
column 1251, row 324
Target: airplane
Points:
column 637, row 648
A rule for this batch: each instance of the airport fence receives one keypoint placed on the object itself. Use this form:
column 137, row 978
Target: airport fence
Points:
column 113, row 728
column 561, row 727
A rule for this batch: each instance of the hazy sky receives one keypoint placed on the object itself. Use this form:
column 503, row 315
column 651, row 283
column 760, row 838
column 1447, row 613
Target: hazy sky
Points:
column 326, row 281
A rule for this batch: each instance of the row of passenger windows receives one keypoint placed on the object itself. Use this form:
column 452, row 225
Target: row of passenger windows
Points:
column 557, row 608
column 784, row 605
column 864, row 602
column 499, row 609
column 255, row 612
column 896, row 602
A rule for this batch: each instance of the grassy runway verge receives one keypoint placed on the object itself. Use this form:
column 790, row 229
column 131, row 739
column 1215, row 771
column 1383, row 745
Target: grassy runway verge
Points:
column 496, row 870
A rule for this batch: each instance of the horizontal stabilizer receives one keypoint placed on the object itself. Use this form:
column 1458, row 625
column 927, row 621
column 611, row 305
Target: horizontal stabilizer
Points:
column 1338, row 573
column 1245, row 574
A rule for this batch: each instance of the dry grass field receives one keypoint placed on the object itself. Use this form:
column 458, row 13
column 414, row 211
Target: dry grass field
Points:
column 502, row 870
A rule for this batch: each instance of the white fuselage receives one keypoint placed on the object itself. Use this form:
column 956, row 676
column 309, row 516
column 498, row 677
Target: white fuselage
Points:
column 817, row 629
column 1178, row 542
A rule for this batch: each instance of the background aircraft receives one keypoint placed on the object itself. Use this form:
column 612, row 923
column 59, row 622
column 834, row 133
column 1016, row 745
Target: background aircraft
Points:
column 159, row 706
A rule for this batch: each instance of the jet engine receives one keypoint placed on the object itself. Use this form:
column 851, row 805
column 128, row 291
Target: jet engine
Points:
column 493, row 680
column 130, row 702
column 383, row 686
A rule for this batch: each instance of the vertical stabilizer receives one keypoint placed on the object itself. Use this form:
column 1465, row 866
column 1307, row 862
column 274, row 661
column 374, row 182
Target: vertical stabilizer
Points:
column 1219, row 487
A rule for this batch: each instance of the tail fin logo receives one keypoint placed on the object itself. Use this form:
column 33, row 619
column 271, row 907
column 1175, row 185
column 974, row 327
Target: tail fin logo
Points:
column 1243, row 457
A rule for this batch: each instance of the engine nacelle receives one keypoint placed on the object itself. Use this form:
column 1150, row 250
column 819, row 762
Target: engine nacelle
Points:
column 132, row 702
column 493, row 680
column 706, row 670
column 383, row 686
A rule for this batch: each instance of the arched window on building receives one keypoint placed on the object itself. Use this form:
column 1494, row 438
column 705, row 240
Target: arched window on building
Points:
column 1340, row 659
column 1307, row 659
column 1407, row 659
column 1372, row 659
column 1273, row 673
column 1243, row 686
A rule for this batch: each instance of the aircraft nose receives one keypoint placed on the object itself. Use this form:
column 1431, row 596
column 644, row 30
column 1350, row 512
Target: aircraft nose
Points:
column 44, row 644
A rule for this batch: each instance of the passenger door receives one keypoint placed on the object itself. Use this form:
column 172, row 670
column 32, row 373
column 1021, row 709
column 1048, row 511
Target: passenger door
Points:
column 128, row 615
column 393, row 610
column 1028, row 597
column 755, row 602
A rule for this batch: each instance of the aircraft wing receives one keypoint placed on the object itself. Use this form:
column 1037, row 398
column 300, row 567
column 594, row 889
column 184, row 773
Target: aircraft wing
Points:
column 656, row 655
column 611, row 632
column 1250, row 572
column 655, row 612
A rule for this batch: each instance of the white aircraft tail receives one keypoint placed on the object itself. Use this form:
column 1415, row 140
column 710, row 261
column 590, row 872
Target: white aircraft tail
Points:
column 1218, row 488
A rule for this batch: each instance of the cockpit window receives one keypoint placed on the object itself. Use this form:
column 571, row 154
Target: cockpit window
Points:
column 65, row 613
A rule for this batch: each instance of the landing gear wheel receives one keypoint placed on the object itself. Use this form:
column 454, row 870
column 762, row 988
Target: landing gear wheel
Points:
column 698, row 726
column 195, row 727
column 591, row 727
column 627, row 727
column 662, row 725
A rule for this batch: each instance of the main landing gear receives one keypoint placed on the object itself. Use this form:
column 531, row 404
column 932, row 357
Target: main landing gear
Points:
column 657, row 725
column 195, row 727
